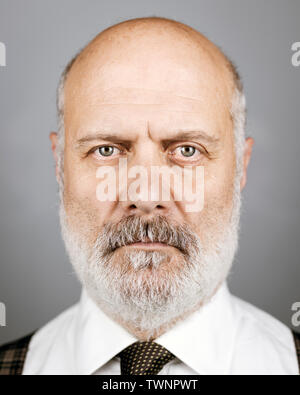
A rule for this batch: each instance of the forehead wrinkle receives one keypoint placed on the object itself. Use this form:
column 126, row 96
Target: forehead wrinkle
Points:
column 130, row 90
column 180, row 103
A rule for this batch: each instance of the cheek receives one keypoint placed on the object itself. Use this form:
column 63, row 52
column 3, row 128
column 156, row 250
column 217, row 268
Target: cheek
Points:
column 218, row 196
column 79, row 185
column 83, row 208
column 220, row 177
column 219, row 188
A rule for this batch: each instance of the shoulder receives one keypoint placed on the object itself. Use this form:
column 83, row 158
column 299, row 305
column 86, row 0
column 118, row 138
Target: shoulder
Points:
column 47, row 339
column 296, row 336
column 262, row 321
column 12, row 356
column 28, row 352
column 47, row 333
column 265, row 337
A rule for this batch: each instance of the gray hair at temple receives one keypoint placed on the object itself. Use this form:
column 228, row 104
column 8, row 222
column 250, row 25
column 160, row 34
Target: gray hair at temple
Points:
column 237, row 111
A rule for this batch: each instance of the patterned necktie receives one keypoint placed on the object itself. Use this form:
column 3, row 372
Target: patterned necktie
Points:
column 144, row 358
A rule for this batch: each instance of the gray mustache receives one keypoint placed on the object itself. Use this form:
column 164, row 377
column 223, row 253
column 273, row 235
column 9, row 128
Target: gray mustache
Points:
column 133, row 229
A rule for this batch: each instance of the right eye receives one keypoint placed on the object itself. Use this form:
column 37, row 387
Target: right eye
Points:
column 106, row 151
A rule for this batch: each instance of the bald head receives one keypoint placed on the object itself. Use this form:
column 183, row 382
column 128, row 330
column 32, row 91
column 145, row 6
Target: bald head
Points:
column 151, row 39
column 157, row 55
column 153, row 51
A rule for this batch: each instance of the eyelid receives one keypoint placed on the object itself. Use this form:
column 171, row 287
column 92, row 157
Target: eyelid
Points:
column 94, row 149
column 200, row 149
column 196, row 157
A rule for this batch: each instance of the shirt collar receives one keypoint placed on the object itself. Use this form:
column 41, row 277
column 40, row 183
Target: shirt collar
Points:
column 98, row 338
column 203, row 340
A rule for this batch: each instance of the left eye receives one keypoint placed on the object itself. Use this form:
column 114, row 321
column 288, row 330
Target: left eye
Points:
column 187, row 150
column 106, row 150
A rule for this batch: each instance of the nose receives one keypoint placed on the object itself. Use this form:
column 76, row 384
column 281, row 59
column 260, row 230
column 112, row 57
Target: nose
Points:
column 140, row 207
column 144, row 192
column 149, row 200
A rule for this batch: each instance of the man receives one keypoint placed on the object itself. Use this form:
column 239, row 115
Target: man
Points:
column 152, row 93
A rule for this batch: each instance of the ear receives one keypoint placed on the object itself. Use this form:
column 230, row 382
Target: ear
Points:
column 53, row 138
column 246, row 159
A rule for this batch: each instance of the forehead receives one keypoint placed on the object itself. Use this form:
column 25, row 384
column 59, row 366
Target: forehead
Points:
column 130, row 82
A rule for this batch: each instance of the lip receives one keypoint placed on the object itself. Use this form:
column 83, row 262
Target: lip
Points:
column 148, row 245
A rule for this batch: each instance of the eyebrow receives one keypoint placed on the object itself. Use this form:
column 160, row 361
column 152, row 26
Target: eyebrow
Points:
column 191, row 135
column 102, row 136
column 180, row 136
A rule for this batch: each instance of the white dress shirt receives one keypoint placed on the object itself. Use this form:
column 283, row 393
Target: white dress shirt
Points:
column 226, row 336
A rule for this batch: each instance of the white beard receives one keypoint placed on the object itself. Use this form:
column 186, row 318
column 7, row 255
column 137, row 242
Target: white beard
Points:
column 127, row 292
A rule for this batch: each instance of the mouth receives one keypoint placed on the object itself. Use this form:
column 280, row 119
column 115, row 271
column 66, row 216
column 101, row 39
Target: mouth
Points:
column 148, row 245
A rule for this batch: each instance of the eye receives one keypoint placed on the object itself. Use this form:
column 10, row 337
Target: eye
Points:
column 106, row 151
column 186, row 153
column 187, row 150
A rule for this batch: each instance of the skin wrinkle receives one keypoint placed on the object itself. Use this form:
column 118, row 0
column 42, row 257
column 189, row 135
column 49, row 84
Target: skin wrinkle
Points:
column 198, row 100
column 189, row 82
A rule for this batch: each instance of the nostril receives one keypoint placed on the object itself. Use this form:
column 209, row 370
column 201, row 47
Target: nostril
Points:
column 159, row 206
column 132, row 206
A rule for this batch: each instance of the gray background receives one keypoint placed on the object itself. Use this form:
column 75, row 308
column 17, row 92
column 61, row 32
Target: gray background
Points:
column 36, row 280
